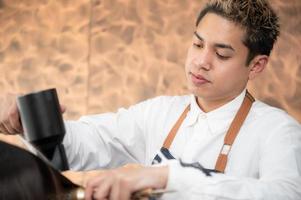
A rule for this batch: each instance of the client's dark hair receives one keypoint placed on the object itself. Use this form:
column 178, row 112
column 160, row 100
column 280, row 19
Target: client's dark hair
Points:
column 24, row 176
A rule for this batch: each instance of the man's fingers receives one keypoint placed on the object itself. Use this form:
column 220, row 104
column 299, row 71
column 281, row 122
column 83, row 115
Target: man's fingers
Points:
column 15, row 125
column 14, row 119
column 91, row 187
column 115, row 192
column 9, row 116
column 63, row 108
column 8, row 128
column 103, row 190
column 3, row 129
column 120, row 190
column 89, row 191
column 120, row 183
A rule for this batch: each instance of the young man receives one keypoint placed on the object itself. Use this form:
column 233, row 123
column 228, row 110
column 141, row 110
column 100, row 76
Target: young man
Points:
column 218, row 143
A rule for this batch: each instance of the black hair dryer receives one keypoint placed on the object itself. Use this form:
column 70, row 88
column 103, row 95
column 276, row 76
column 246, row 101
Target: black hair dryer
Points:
column 43, row 125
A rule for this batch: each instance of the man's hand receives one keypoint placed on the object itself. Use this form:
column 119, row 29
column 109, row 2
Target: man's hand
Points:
column 121, row 183
column 10, row 122
column 9, row 115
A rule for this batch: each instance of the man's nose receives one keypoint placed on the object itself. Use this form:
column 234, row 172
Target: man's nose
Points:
column 203, row 60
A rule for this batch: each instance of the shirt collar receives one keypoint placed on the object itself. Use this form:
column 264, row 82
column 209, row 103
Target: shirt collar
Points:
column 219, row 116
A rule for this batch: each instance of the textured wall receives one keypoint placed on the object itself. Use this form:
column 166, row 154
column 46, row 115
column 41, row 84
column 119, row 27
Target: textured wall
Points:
column 101, row 55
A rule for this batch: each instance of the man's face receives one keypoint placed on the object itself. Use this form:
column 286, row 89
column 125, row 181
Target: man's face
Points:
column 216, row 62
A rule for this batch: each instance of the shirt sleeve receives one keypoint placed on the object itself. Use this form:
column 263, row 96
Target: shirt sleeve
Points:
column 107, row 140
column 279, row 174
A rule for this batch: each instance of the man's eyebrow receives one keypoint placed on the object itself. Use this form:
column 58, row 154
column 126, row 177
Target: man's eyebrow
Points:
column 218, row 45
column 198, row 36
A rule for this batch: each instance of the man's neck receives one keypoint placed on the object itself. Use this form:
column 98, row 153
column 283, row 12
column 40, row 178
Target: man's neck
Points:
column 212, row 104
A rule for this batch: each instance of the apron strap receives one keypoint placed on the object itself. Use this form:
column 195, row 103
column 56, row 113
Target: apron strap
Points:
column 175, row 128
column 233, row 132
column 230, row 136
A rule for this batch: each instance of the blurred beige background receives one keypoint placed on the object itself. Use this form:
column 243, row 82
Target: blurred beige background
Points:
column 104, row 54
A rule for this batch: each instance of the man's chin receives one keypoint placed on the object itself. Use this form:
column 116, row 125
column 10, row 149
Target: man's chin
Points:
column 196, row 92
column 201, row 92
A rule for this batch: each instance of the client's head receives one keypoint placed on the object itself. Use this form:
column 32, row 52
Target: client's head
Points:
column 25, row 177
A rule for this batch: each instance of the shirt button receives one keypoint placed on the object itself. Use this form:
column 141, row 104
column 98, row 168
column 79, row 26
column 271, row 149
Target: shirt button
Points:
column 202, row 116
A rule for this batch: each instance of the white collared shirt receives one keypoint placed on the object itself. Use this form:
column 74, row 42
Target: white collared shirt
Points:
column 264, row 163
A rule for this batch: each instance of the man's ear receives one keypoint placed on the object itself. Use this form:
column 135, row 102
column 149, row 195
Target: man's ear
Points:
column 257, row 65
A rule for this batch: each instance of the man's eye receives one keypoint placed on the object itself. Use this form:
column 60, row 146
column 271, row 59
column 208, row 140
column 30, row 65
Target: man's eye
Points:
column 197, row 45
column 222, row 56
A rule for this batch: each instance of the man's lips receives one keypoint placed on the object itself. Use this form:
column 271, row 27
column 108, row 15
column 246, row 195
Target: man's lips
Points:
column 198, row 79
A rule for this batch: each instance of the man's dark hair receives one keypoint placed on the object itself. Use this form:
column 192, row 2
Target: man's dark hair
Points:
column 255, row 16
